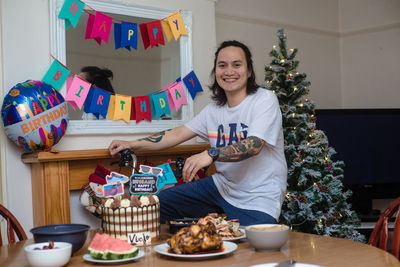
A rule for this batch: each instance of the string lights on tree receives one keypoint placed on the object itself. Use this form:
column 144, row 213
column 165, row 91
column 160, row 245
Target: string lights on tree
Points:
column 316, row 201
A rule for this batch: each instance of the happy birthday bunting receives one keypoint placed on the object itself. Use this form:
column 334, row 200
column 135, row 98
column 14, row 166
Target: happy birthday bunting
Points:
column 142, row 108
column 98, row 27
column 77, row 92
column 145, row 35
column 56, row 75
column 71, row 11
column 167, row 30
column 192, row 84
column 154, row 29
column 122, row 109
column 160, row 103
column 177, row 26
column 97, row 102
column 117, row 37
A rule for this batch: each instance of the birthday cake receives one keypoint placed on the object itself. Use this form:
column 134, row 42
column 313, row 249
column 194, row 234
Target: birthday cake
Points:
column 122, row 215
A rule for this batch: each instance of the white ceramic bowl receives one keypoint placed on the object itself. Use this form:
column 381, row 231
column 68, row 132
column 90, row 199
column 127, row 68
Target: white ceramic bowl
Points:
column 56, row 257
column 267, row 236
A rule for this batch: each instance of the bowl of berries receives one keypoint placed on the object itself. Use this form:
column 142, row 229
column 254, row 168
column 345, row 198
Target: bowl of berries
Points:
column 48, row 254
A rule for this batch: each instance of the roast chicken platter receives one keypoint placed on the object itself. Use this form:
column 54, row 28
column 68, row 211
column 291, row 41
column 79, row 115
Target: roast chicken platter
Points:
column 205, row 236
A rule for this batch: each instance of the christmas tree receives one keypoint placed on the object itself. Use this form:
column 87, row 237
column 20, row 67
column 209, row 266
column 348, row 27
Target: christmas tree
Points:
column 316, row 201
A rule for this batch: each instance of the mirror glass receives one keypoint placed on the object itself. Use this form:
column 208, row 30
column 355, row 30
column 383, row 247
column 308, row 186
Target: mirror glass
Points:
column 136, row 72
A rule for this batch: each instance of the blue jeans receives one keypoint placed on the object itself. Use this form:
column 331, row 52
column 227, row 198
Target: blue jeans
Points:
column 198, row 198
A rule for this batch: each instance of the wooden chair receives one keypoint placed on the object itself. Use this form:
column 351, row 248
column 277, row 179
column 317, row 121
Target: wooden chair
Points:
column 12, row 226
column 380, row 235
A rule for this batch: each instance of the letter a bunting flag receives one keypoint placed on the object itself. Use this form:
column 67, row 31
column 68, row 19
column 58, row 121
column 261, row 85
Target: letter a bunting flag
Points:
column 98, row 27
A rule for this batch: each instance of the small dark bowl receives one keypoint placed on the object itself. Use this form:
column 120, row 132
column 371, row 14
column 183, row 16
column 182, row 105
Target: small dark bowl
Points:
column 177, row 224
column 72, row 233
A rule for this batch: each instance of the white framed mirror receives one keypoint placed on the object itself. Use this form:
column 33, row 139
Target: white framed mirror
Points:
column 64, row 49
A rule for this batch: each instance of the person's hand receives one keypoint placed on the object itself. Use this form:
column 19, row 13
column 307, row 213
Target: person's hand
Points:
column 195, row 163
column 118, row 145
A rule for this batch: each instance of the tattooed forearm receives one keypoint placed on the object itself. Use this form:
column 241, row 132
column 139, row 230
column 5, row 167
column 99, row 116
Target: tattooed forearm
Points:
column 244, row 149
column 155, row 138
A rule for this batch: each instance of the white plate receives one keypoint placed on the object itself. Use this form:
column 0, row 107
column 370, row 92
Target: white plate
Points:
column 87, row 257
column 297, row 264
column 163, row 250
column 236, row 238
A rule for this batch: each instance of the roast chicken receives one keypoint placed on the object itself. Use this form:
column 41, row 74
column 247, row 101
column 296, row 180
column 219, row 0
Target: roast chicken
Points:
column 195, row 238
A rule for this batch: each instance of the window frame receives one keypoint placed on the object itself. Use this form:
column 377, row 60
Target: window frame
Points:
column 101, row 127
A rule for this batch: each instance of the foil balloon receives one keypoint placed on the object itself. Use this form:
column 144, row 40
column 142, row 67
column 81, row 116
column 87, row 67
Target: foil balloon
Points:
column 35, row 115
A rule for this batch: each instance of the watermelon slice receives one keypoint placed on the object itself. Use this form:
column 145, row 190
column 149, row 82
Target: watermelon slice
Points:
column 105, row 247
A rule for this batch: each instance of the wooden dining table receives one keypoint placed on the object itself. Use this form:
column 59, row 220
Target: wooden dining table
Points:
column 301, row 247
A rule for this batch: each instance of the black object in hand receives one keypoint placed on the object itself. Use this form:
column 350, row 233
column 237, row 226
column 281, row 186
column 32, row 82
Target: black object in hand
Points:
column 180, row 162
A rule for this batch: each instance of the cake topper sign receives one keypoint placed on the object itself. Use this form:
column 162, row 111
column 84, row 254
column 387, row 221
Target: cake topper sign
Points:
column 143, row 184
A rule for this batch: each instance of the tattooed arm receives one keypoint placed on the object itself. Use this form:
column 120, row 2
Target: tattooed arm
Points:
column 244, row 149
column 161, row 140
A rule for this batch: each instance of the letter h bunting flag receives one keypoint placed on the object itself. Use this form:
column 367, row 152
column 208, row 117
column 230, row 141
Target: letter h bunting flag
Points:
column 71, row 11
column 142, row 108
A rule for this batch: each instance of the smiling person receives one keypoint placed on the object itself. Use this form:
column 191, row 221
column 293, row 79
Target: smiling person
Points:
column 244, row 127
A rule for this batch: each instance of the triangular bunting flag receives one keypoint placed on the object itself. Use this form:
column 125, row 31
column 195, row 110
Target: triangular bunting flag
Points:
column 142, row 108
column 77, row 92
column 155, row 32
column 177, row 25
column 71, row 11
column 98, row 27
column 178, row 95
column 56, row 75
column 192, row 84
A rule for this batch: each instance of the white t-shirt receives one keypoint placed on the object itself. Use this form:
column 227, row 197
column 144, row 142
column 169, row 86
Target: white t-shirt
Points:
column 259, row 182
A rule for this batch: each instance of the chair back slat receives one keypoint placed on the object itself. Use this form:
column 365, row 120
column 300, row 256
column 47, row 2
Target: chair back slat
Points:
column 380, row 235
column 13, row 226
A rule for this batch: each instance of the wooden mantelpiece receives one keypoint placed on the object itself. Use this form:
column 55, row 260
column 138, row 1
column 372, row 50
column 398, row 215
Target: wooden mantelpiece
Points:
column 55, row 174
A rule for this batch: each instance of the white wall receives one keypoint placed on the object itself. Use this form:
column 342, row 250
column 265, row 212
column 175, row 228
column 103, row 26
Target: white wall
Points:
column 370, row 57
column 26, row 55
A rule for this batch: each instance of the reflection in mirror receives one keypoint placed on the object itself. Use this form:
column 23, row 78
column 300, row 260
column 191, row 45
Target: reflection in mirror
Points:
column 135, row 73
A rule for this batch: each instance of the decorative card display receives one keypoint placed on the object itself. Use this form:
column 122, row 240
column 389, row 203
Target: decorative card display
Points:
column 168, row 176
column 113, row 189
column 56, row 75
column 71, row 11
column 143, row 184
column 139, row 239
column 151, row 170
column 115, row 177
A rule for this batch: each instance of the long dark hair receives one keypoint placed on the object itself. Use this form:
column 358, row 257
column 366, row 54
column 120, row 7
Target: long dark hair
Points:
column 218, row 94
column 99, row 77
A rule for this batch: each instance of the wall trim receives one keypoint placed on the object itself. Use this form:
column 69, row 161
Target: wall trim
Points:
column 271, row 23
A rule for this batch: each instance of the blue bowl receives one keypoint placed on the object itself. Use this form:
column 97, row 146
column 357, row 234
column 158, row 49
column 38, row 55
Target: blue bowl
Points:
column 72, row 233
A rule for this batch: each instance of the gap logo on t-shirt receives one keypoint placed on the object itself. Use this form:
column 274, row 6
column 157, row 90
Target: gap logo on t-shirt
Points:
column 233, row 133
